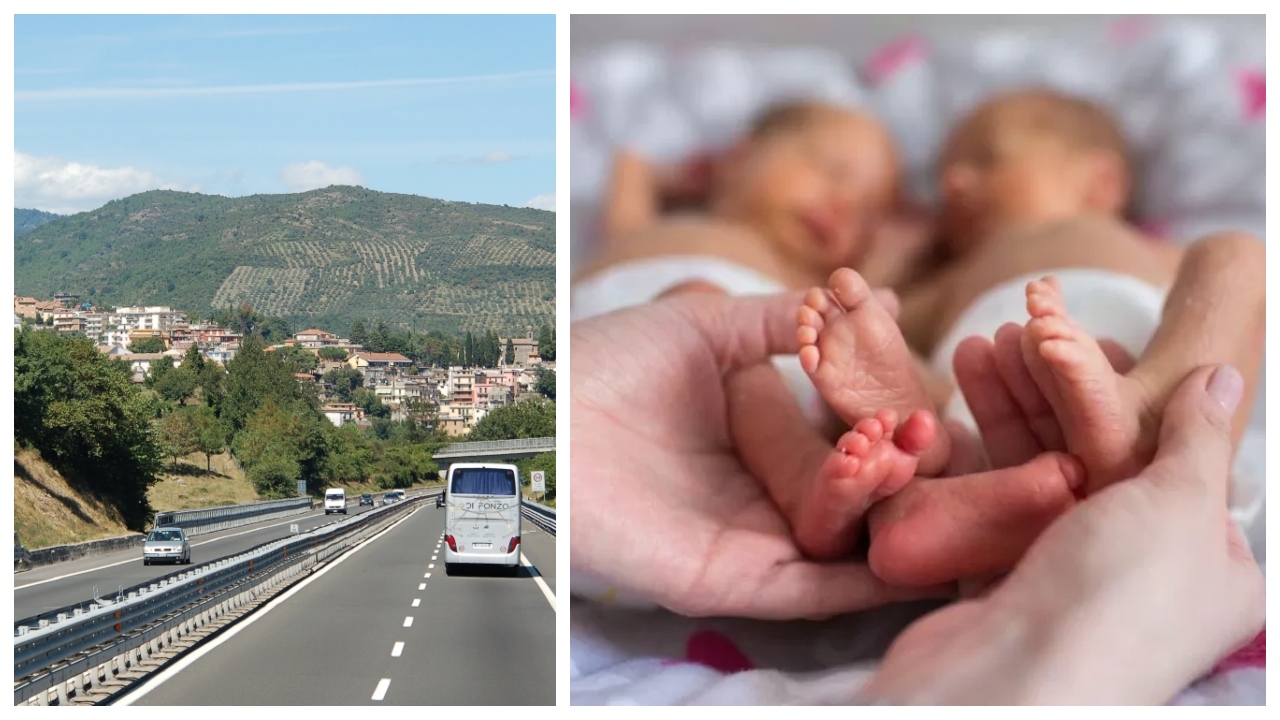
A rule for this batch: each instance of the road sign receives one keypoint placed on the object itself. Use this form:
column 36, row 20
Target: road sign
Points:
column 302, row 487
column 293, row 528
column 539, row 480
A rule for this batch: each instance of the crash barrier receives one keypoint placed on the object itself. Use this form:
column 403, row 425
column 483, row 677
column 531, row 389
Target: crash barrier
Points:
column 207, row 520
column 87, row 649
column 540, row 515
column 479, row 447
column 24, row 559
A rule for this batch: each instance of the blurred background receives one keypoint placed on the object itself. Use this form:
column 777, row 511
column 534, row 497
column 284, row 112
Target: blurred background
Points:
column 855, row 35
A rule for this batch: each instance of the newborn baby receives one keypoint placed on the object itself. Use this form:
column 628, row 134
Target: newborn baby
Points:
column 793, row 200
column 1035, row 182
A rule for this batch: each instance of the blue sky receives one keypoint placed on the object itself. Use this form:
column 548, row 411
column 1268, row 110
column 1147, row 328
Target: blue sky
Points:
column 452, row 107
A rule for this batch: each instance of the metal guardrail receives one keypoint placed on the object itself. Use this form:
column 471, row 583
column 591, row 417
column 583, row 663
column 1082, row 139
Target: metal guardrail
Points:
column 540, row 515
column 471, row 448
column 64, row 644
column 207, row 520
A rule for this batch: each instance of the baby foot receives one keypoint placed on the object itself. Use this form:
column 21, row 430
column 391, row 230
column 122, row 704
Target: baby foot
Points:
column 948, row 529
column 1107, row 418
column 852, row 349
column 865, row 466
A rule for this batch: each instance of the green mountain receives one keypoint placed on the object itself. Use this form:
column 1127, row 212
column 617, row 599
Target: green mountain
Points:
column 321, row 258
column 24, row 221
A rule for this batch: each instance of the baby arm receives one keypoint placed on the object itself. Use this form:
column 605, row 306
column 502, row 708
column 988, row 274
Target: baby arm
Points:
column 632, row 200
column 639, row 190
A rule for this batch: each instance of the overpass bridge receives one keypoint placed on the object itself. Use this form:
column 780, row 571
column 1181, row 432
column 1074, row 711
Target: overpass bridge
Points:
column 493, row 451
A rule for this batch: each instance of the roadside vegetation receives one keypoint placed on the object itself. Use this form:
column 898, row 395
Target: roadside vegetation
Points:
column 199, row 435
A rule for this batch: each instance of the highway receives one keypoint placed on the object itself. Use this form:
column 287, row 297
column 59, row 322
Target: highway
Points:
column 385, row 625
column 53, row 586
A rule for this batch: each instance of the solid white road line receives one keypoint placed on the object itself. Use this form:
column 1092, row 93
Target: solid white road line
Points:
column 408, row 621
column 397, row 649
column 542, row 584
column 186, row 661
column 136, row 559
column 381, row 691
column 416, row 602
column 422, row 586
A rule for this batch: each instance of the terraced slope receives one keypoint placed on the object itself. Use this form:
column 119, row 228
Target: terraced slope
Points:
column 321, row 258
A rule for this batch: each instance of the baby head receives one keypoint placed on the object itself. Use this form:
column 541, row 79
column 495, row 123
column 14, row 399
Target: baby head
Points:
column 811, row 177
column 1030, row 157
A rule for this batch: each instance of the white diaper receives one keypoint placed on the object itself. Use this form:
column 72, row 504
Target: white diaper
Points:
column 1128, row 311
column 1105, row 304
column 642, row 281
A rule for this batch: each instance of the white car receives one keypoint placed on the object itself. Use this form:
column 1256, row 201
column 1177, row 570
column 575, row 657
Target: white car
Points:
column 166, row 545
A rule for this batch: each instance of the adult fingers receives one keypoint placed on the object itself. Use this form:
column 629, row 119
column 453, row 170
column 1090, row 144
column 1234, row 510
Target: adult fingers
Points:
column 1012, row 365
column 742, row 331
column 1005, row 432
column 1195, row 432
column 966, row 450
column 814, row 591
column 1121, row 361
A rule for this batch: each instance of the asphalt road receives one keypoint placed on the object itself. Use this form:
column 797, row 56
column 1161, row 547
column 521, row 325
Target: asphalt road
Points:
column 61, row 584
column 386, row 626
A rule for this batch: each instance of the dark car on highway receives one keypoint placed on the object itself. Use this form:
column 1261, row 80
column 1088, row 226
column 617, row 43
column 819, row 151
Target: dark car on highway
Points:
column 366, row 499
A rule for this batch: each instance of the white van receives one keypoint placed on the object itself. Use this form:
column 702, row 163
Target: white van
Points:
column 335, row 500
column 482, row 516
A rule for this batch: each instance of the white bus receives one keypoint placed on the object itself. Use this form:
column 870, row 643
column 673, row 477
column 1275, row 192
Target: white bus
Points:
column 482, row 516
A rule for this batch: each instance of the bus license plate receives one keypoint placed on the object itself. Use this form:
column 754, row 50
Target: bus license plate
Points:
column 482, row 546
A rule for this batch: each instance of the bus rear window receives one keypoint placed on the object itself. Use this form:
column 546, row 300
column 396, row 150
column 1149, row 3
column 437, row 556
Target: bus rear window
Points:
column 483, row 481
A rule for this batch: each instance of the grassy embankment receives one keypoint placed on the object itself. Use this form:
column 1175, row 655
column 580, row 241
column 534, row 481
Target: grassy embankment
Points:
column 50, row 511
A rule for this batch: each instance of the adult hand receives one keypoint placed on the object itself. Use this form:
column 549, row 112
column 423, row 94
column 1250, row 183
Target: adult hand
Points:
column 1015, row 421
column 661, row 503
column 1128, row 598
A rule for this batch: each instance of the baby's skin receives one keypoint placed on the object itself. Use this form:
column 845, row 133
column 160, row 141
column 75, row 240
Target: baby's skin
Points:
column 852, row 349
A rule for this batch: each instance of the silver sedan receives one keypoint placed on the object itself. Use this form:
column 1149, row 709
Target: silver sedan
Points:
column 166, row 545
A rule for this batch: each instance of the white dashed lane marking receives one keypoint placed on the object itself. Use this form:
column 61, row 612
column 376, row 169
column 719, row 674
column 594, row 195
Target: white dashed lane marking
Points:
column 408, row 621
column 422, row 586
column 397, row 649
column 417, row 602
column 381, row 691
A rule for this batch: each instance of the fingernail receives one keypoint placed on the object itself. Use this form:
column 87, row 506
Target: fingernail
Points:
column 1226, row 385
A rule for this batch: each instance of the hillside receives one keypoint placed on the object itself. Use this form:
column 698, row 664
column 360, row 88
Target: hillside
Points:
column 48, row 511
column 24, row 221
column 321, row 258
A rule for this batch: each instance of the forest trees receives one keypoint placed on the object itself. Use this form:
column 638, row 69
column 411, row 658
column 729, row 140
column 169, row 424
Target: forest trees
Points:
column 526, row 419
column 546, row 385
column 547, row 343
column 78, row 407
column 333, row 353
column 147, row 345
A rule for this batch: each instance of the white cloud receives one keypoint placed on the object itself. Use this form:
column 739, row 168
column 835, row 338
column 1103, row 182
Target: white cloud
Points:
column 543, row 202
column 300, row 177
column 275, row 89
column 65, row 187
column 497, row 156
